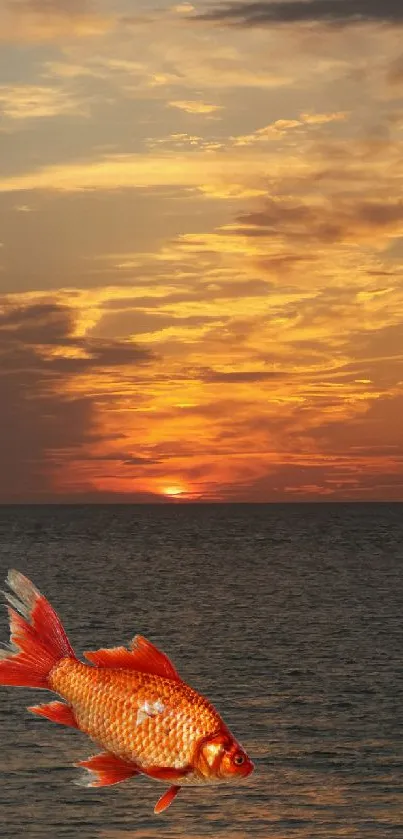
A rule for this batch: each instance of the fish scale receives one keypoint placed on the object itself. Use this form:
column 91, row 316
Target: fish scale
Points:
column 106, row 703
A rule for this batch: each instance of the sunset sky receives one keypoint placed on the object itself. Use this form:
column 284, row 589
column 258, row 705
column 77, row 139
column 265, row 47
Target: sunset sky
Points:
column 201, row 250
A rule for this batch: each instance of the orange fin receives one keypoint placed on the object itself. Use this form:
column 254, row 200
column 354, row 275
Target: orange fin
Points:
column 56, row 712
column 37, row 638
column 166, row 799
column 166, row 773
column 107, row 770
column 142, row 656
column 119, row 658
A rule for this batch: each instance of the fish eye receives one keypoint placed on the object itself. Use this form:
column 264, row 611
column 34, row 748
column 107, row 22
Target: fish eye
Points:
column 239, row 759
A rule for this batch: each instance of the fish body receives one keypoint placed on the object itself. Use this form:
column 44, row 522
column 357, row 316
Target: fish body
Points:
column 131, row 701
column 141, row 717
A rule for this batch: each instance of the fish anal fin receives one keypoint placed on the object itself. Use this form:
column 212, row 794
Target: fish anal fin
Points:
column 143, row 656
column 166, row 799
column 107, row 770
column 56, row 712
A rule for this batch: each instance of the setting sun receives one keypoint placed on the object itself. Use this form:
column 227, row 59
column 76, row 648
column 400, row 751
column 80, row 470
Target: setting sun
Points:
column 173, row 491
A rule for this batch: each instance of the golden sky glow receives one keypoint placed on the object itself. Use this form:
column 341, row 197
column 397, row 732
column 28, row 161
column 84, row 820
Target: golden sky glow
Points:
column 201, row 251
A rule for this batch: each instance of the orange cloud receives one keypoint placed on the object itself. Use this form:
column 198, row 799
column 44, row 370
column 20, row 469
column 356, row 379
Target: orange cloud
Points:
column 194, row 107
column 50, row 20
column 26, row 102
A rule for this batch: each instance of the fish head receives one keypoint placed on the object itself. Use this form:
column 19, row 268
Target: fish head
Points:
column 219, row 757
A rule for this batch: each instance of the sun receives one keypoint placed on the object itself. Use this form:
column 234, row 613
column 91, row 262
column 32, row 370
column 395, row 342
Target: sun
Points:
column 173, row 491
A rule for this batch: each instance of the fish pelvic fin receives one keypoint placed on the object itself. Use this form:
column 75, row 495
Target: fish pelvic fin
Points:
column 166, row 799
column 37, row 638
column 105, row 770
column 56, row 712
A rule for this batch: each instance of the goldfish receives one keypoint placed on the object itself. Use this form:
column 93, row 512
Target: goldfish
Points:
column 129, row 700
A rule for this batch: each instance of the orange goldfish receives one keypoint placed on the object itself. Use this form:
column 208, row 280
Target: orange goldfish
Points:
column 132, row 702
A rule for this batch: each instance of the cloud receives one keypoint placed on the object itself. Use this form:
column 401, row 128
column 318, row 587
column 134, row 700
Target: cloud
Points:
column 122, row 458
column 374, row 433
column 113, row 172
column 313, row 449
column 48, row 20
column 197, row 292
column 265, row 312
column 331, row 12
column 42, row 335
column 183, row 8
column 395, row 72
column 240, row 376
column 175, row 56
column 326, row 481
column 281, row 127
column 139, row 321
column 365, row 163
column 45, row 421
column 37, row 418
column 298, row 434
column 193, row 107
column 328, row 221
column 25, row 102
column 71, row 8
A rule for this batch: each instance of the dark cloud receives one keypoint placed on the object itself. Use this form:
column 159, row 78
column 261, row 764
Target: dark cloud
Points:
column 44, row 423
column 305, row 482
column 30, row 336
column 42, row 323
column 36, row 424
column 331, row 12
column 364, row 435
column 384, row 344
column 336, row 220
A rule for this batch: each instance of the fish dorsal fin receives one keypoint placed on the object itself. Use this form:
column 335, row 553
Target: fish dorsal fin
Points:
column 142, row 656
column 149, row 659
column 119, row 658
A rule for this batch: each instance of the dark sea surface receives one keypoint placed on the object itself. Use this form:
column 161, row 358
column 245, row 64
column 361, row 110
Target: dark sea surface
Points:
column 288, row 617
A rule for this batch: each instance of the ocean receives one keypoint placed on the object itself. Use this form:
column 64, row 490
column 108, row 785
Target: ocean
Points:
column 288, row 617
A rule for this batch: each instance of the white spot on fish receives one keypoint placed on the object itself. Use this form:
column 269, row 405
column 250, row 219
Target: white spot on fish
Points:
column 149, row 709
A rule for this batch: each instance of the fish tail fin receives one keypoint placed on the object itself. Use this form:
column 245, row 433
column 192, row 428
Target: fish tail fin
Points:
column 37, row 638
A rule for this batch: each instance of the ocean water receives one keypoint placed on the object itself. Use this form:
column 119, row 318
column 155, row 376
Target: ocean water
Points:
column 288, row 617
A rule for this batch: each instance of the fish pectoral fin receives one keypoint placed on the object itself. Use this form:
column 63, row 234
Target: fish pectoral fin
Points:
column 166, row 799
column 56, row 712
column 106, row 770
